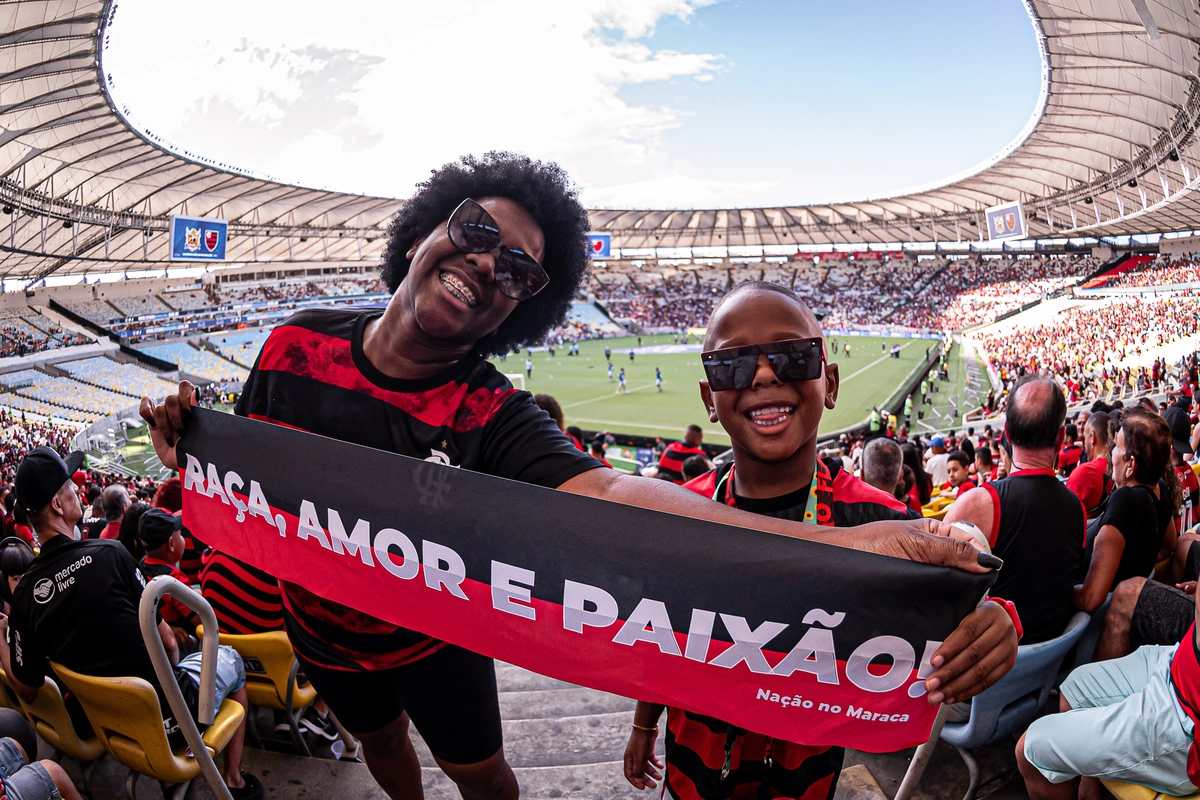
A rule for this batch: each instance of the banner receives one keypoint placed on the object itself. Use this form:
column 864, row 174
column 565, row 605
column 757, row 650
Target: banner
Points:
column 1005, row 221
column 198, row 238
column 794, row 639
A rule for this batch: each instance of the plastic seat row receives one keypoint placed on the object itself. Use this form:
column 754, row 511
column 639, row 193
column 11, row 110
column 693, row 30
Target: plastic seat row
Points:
column 200, row 363
column 124, row 378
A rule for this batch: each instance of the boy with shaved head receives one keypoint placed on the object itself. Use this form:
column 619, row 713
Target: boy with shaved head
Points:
column 768, row 383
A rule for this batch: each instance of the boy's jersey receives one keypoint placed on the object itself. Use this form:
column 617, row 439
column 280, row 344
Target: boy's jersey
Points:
column 698, row 746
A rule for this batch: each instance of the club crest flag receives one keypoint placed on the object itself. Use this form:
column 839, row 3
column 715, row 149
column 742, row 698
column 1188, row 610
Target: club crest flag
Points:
column 600, row 245
column 1006, row 222
column 794, row 639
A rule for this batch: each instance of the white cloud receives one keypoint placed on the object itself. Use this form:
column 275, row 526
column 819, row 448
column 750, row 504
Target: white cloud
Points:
column 366, row 96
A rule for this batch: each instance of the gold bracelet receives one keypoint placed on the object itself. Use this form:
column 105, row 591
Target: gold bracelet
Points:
column 653, row 729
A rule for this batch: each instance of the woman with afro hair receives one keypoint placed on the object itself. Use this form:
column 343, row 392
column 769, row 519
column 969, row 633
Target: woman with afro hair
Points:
column 483, row 259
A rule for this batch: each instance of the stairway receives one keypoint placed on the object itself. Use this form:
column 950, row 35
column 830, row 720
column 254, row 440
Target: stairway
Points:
column 561, row 740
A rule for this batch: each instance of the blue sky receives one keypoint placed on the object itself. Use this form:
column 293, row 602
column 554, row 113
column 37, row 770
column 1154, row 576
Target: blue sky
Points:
column 646, row 102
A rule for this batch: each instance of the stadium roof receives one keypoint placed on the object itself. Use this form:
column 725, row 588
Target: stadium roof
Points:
column 1111, row 149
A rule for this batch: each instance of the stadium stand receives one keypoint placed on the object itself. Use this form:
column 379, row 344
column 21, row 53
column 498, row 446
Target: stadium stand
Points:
column 67, row 393
column 1085, row 345
column 139, row 305
column 24, row 331
column 125, row 378
column 240, row 346
column 97, row 311
column 1160, row 271
column 190, row 300
column 201, row 363
column 25, row 377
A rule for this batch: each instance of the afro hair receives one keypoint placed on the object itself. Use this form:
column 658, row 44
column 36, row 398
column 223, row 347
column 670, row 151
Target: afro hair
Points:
column 541, row 188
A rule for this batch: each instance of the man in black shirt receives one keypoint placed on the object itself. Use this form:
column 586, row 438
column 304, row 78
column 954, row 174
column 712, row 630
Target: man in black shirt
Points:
column 77, row 604
column 1030, row 519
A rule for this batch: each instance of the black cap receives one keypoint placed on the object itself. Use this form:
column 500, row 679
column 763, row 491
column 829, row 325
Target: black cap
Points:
column 1181, row 429
column 156, row 526
column 41, row 473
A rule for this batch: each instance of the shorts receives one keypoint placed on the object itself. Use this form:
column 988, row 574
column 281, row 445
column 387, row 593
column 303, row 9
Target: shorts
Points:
column 1124, row 725
column 1162, row 615
column 24, row 781
column 231, row 673
column 450, row 696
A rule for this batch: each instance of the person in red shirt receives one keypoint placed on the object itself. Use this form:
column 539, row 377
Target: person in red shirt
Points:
column 958, row 466
column 985, row 469
column 670, row 463
column 1090, row 481
column 161, row 533
column 598, row 449
column 1071, row 453
column 1181, row 436
column 115, row 500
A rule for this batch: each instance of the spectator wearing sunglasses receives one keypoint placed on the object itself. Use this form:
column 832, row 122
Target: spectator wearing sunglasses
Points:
column 484, row 258
column 767, row 384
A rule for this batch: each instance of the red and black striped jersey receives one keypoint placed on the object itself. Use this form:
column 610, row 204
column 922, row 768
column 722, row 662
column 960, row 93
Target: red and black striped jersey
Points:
column 313, row 375
column 670, row 463
column 700, row 747
column 245, row 599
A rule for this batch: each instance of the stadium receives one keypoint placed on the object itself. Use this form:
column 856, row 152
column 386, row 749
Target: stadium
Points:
column 1063, row 272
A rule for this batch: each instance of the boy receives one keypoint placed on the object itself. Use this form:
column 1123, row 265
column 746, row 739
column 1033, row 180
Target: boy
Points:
column 772, row 424
column 161, row 533
column 621, row 387
column 958, row 472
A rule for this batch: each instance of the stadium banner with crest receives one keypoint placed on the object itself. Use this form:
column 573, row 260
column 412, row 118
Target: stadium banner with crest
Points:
column 600, row 245
column 198, row 238
column 791, row 638
column 1005, row 221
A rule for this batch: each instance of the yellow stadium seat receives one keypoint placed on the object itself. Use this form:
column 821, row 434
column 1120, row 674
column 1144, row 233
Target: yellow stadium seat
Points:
column 271, row 668
column 1131, row 791
column 8, row 695
column 127, row 719
column 1196, row 468
column 49, row 717
column 939, row 514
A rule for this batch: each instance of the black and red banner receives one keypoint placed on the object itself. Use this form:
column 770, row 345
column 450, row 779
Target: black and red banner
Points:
column 794, row 639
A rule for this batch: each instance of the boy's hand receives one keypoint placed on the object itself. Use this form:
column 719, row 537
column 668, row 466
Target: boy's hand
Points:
column 642, row 766
column 166, row 421
column 980, row 651
column 1187, row 586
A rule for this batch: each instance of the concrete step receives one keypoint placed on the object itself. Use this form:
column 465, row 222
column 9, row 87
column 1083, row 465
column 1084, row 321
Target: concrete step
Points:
column 558, row 703
column 559, row 742
column 516, row 679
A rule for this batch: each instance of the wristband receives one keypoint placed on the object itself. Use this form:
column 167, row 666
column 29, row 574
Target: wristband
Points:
column 650, row 729
column 1011, row 610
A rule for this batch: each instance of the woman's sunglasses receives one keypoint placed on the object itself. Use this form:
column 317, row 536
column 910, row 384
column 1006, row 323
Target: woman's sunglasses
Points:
column 472, row 230
column 792, row 360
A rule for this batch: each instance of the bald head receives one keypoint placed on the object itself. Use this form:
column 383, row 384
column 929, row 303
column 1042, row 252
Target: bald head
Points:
column 728, row 328
column 1037, row 410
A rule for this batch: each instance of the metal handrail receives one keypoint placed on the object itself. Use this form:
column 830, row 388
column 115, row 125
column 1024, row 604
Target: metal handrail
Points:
column 155, row 589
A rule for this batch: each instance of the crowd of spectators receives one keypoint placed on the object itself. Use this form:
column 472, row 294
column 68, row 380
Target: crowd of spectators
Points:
column 1159, row 271
column 1085, row 346
column 25, row 331
column 936, row 294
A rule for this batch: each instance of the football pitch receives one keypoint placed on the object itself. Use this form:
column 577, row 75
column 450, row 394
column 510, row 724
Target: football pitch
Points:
column 580, row 384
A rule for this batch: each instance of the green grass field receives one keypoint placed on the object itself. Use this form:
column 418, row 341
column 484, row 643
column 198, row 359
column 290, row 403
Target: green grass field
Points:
column 580, row 384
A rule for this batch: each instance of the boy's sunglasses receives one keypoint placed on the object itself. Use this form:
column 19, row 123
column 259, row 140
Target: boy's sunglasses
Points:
column 792, row 360
column 472, row 230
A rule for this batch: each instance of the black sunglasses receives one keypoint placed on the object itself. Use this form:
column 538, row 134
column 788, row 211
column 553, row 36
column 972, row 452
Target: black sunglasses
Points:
column 792, row 360
column 472, row 230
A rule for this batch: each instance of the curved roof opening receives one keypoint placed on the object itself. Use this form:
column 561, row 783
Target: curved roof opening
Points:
column 687, row 104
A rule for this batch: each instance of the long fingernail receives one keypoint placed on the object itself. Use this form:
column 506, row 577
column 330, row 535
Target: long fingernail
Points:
column 990, row 561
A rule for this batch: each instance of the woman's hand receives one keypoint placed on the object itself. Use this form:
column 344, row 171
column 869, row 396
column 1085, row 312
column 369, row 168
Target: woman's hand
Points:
column 980, row 651
column 167, row 420
column 642, row 766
